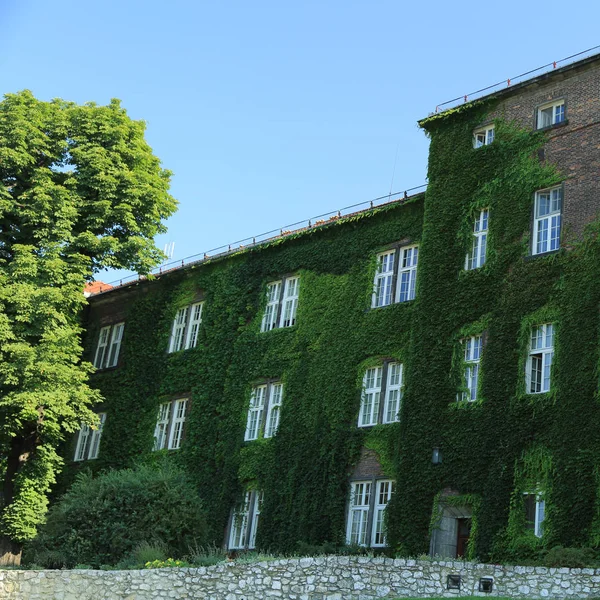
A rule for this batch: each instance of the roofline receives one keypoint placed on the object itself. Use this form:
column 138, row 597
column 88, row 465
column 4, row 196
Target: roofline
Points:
column 283, row 237
column 512, row 90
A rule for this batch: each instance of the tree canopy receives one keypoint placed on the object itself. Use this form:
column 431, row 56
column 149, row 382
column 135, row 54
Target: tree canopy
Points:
column 80, row 191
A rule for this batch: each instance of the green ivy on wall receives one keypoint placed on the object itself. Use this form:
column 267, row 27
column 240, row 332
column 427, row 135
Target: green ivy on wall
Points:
column 304, row 469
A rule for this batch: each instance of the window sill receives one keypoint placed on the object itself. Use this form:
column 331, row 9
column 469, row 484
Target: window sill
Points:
column 531, row 257
column 555, row 126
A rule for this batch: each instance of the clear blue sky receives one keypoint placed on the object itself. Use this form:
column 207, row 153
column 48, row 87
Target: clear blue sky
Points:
column 269, row 112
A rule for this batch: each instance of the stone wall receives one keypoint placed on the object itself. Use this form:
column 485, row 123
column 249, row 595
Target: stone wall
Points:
column 325, row 578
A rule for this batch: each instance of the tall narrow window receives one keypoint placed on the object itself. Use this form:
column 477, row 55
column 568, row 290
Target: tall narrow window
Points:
column 109, row 346
column 273, row 296
column 385, row 489
column 381, row 395
column 547, row 220
column 179, row 414
column 88, row 440
column 102, row 347
column 384, row 278
column 483, row 136
column 407, row 277
column 264, row 410
column 255, row 412
column 476, row 256
column 282, row 304
column 473, row 347
column 366, row 512
column 186, row 327
column 369, row 405
column 539, row 363
column 535, row 510
column 551, row 114
column 115, row 344
column 244, row 522
column 393, row 393
column 395, row 276
column 170, row 424
column 358, row 518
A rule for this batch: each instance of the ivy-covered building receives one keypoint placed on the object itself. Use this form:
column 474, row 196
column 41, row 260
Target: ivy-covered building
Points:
column 422, row 375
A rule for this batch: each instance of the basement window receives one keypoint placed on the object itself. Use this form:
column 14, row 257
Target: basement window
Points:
column 170, row 424
column 186, row 327
column 88, row 440
column 264, row 410
column 244, row 522
column 395, row 276
column 282, row 303
column 366, row 512
column 550, row 114
column 109, row 346
column 539, row 361
column 382, row 382
column 483, row 136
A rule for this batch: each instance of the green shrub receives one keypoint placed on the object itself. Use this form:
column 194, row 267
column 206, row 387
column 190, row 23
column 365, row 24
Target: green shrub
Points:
column 570, row 557
column 103, row 520
column 205, row 556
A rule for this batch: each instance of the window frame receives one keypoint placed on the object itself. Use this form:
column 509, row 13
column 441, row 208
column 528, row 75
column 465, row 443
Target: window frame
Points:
column 547, row 358
column 475, row 257
column 90, row 439
column 276, row 315
column 248, row 512
column 536, row 221
column 394, row 293
column 109, row 337
column 485, row 130
column 469, row 363
column 186, row 327
column 380, row 415
column 553, row 104
column 271, row 403
column 539, row 507
column 172, row 437
column 370, row 510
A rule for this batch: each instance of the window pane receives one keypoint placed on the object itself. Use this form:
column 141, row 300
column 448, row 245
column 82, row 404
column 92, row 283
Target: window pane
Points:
column 369, row 409
column 255, row 410
column 269, row 320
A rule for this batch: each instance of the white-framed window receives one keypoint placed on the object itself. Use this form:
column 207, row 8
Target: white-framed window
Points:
column 109, row 346
column 483, row 136
column 535, row 510
column 88, row 440
column 550, row 114
column 539, row 360
column 170, row 424
column 244, row 522
column 186, row 326
column 395, row 276
column 282, row 303
column 547, row 220
column 476, row 255
column 383, row 382
column 366, row 512
column 264, row 410
column 473, row 347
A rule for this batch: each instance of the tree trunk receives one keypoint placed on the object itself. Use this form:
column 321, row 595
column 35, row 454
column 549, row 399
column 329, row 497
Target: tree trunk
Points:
column 10, row 553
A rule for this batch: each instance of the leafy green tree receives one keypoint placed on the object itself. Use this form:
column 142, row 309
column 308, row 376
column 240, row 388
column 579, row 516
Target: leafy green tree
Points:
column 80, row 191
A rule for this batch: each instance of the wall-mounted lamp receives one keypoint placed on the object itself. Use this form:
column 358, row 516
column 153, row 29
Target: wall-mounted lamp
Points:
column 436, row 456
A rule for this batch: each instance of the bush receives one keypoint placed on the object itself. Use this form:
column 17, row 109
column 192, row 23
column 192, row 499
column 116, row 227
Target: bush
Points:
column 206, row 556
column 570, row 557
column 103, row 520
